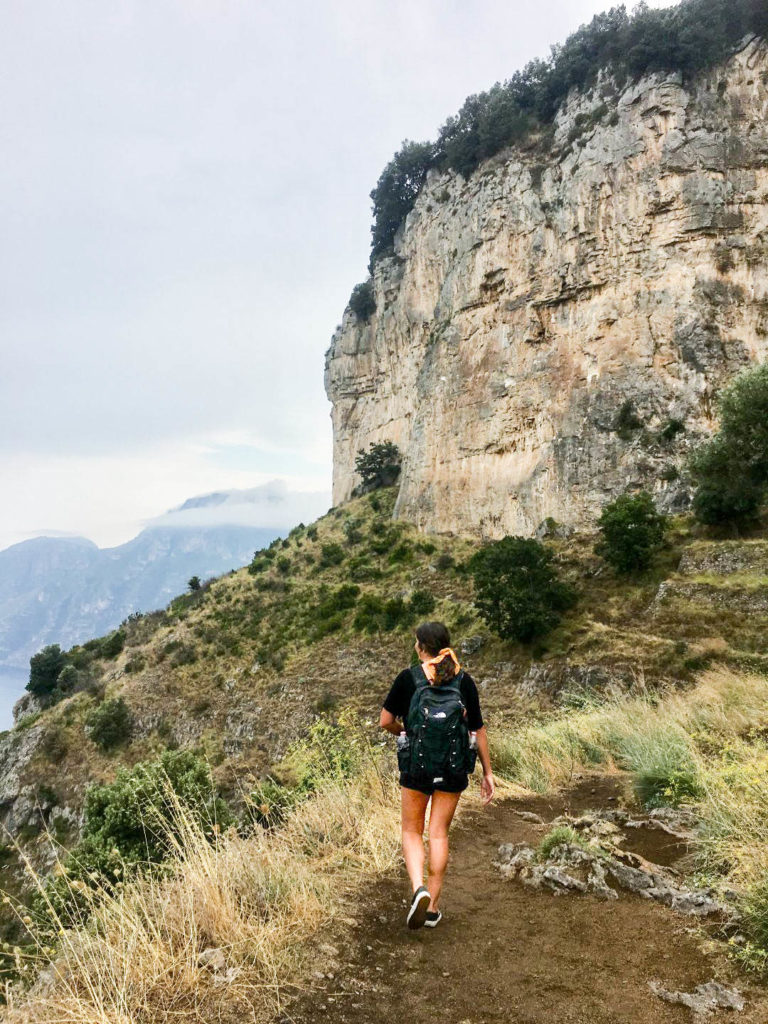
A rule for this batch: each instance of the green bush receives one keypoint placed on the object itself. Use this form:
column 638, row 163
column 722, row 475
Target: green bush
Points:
column 631, row 532
column 194, row 583
column 113, row 644
column 110, row 723
column 270, row 801
column 331, row 554
column 402, row 553
column 396, row 613
column 44, row 670
column 731, row 470
column 130, row 824
column 517, row 591
column 422, row 602
column 362, row 301
column 67, row 679
column 340, row 600
column 283, row 565
column 380, row 465
column 627, row 421
column 258, row 565
column 445, row 561
column 370, row 610
column 312, row 532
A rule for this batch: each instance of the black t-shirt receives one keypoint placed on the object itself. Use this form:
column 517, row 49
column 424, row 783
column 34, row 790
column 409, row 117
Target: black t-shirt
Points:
column 398, row 700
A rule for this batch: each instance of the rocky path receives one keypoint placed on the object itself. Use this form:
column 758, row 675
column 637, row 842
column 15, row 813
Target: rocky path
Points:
column 506, row 953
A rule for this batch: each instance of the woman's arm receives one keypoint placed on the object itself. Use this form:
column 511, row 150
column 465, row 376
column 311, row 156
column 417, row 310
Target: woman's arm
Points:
column 388, row 721
column 488, row 785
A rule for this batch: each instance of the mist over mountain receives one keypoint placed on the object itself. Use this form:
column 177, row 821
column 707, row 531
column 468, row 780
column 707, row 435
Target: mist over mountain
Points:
column 66, row 589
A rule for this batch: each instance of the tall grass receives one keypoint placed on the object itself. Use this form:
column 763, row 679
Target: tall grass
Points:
column 658, row 737
column 707, row 746
column 256, row 899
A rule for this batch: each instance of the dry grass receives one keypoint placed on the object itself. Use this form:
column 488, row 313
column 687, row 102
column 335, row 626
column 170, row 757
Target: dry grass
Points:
column 641, row 733
column 256, row 900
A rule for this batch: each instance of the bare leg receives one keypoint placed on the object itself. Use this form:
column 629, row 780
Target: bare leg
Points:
column 440, row 817
column 414, row 807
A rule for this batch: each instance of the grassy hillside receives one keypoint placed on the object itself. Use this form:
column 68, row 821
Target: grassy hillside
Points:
column 324, row 620
column 321, row 622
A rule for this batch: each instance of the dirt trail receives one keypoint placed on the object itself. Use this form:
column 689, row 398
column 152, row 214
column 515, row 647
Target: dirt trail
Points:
column 505, row 953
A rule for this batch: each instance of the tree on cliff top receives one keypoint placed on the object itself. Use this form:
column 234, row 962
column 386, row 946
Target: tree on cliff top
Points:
column 693, row 36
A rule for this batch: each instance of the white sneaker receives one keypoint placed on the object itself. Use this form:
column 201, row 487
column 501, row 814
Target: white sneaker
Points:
column 433, row 919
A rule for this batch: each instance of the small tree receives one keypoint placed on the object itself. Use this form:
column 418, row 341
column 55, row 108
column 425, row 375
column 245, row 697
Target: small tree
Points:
column 110, row 723
column 44, row 670
column 379, row 466
column 632, row 530
column 194, row 583
column 517, row 590
column 731, row 469
column 362, row 301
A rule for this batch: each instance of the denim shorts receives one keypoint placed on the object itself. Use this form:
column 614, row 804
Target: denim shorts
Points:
column 447, row 784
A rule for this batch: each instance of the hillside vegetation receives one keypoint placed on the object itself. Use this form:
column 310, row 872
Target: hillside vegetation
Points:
column 613, row 48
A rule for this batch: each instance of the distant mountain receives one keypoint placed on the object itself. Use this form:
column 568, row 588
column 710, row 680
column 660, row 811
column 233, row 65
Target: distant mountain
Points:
column 66, row 590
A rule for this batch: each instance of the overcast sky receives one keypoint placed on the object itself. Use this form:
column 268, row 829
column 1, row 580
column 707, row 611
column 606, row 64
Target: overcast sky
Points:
column 184, row 194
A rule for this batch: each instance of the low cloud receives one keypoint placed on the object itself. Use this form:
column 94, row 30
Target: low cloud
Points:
column 272, row 505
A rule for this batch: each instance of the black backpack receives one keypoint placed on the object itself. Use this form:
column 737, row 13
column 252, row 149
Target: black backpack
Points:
column 437, row 730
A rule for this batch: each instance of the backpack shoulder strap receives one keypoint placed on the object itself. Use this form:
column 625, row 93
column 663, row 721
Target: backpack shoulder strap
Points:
column 419, row 676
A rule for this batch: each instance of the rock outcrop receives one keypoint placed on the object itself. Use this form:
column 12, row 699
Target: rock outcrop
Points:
column 554, row 329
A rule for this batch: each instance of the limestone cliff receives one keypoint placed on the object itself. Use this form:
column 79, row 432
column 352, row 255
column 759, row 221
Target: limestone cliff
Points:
column 545, row 326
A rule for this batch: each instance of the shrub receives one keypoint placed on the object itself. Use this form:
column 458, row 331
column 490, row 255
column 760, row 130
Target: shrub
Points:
column 342, row 598
column 370, row 610
column 132, row 823
column 44, row 670
column 109, row 724
column 113, row 644
column 258, row 565
column 402, row 553
column 379, row 466
column 517, row 590
column 627, row 421
column 396, row 613
column 331, row 554
column 283, row 565
column 362, row 301
column 445, row 561
column 731, row 470
column 422, row 602
column 269, row 802
column 632, row 531
column 426, row 547
column 558, row 836
column 671, row 429
column 312, row 532
column 67, row 679
column 194, row 583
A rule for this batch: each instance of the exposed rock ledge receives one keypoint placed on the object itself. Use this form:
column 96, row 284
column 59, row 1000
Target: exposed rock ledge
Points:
column 526, row 305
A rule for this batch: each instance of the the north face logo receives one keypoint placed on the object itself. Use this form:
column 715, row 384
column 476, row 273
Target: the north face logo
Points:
column 439, row 714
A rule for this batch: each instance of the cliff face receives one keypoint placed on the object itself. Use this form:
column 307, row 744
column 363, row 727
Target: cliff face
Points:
column 544, row 321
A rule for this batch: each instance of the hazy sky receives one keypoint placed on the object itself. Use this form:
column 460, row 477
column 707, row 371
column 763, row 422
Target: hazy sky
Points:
column 184, row 200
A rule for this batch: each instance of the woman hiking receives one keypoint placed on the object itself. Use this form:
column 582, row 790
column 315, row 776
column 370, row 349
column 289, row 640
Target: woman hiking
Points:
column 439, row 707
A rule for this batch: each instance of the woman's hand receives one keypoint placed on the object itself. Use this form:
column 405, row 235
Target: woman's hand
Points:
column 487, row 788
